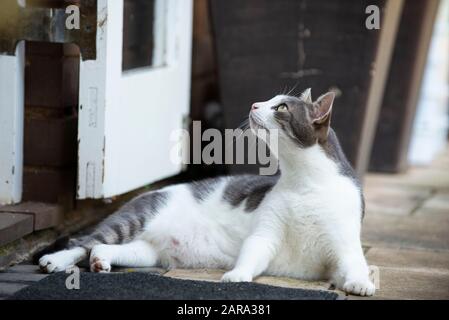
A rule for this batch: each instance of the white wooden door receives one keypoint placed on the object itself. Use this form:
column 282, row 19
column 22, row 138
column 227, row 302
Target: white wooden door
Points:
column 126, row 117
column 12, row 69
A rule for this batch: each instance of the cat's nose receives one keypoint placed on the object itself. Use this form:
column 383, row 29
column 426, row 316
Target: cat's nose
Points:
column 254, row 107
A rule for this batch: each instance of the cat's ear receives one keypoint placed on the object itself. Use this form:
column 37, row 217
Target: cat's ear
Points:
column 321, row 115
column 307, row 95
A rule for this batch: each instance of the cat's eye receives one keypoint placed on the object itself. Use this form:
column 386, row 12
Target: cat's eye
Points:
column 282, row 107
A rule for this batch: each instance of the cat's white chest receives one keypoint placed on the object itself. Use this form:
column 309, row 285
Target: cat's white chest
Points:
column 316, row 214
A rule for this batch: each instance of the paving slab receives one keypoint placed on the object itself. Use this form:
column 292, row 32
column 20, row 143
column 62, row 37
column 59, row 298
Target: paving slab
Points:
column 409, row 258
column 7, row 289
column 14, row 226
column 293, row 283
column 384, row 230
column 21, row 277
column 196, row 274
column 441, row 161
column 159, row 271
column 404, row 283
column 424, row 177
column 24, row 268
column 394, row 199
column 437, row 204
column 45, row 215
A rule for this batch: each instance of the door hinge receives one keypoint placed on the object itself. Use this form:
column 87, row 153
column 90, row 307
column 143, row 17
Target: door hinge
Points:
column 35, row 23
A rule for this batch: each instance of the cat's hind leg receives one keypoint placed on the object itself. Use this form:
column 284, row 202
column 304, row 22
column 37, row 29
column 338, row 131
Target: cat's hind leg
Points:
column 138, row 253
column 61, row 260
column 121, row 227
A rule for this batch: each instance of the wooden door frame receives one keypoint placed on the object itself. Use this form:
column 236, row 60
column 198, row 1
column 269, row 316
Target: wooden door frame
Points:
column 385, row 47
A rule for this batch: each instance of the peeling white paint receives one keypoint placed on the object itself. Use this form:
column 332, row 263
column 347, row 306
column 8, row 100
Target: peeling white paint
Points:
column 11, row 125
column 134, row 111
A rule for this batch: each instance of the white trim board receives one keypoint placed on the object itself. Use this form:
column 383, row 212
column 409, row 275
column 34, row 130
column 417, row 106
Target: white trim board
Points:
column 12, row 70
column 126, row 118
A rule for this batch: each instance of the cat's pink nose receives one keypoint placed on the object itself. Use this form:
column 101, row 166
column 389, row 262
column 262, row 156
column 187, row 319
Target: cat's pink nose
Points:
column 254, row 107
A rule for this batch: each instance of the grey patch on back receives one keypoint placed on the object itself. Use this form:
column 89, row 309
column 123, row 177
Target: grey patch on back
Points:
column 126, row 223
column 203, row 188
column 333, row 150
column 251, row 188
column 148, row 203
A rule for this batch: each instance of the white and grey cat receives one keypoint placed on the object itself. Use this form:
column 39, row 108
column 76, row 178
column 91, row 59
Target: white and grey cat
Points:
column 303, row 222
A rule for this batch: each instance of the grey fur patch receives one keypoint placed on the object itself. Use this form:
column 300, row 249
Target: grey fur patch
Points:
column 126, row 223
column 333, row 150
column 296, row 122
column 298, row 125
column 251, row 188
column 201, row 189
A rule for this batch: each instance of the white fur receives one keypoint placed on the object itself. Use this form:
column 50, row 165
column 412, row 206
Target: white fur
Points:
column 62, row 260
column 137, row 253
column 307, row 227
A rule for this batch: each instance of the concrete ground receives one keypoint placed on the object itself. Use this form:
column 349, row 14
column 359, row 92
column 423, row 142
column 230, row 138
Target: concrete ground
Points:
column 406, row 231
column 405, row 236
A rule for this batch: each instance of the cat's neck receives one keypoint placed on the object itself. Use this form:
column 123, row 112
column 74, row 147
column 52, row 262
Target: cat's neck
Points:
column 308, row 165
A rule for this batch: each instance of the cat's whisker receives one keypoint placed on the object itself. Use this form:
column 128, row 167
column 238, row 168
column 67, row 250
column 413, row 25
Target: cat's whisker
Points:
column 244, row 124
column 293, row 89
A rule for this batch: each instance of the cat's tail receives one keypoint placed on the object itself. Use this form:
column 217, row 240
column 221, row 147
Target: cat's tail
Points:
column 125, row 224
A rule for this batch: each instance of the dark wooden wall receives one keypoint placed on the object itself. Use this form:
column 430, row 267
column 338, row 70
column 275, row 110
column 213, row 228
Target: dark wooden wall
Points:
column 51, row 106
column 266, row 47
column 204, row 68
column 204, row 88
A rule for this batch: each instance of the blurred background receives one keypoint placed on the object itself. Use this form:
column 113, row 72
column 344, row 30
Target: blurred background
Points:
column 86, row 113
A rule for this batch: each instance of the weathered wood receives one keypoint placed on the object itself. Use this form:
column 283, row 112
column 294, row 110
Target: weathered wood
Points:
column 204, row 80
column 389, row 27
column 51, row 142
column 45, row 215
column 50, row 130
column 47, row 184
column 266, row 47
column 204, row 88
column 390, row 148
column 43, row 74
column 11, row 125
column 14, row 226
column 113, row 156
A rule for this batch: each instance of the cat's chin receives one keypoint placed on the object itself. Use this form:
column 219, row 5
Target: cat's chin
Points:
column 255, row 125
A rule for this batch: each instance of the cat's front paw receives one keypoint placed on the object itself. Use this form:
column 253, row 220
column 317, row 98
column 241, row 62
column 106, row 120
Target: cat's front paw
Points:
column 100, row 265
column 55, row 262
column 237, row 276
column 359, row 287
column 100, row 258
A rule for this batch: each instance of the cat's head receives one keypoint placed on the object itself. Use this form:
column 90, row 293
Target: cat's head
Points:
column 300, row 121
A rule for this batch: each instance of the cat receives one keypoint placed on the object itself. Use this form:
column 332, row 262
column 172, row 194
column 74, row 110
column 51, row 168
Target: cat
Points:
column 303, row 222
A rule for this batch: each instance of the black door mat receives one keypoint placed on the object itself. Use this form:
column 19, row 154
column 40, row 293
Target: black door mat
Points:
column 145, row 286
